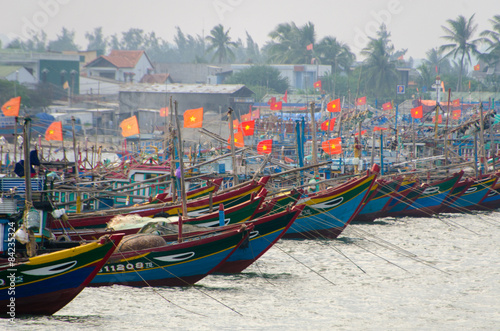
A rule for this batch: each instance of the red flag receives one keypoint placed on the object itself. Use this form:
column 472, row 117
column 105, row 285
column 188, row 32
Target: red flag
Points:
column 246, row 117
column 54, row 132
column 334, row 106
column 309, row 47
column 236, row 124
column 456, row 114
column 477, row 67
column 285, row 98
column 328, row 125
column 317, row 84
column 455, row 103
column 256, row 113
column 387, row 106
column 436, row 69
column 417, row 112
column 271, row 101
column 361, row 101
column 248, row 128
column 440, row 119
column 164, row 112
column 265, row 146
column 401, row 58
column 332, row 146
column 362, row 133
column 238, row 140
column 129, row 126
column 193, row 118
column 11, row 107
column 276, row 106
column 377, row 128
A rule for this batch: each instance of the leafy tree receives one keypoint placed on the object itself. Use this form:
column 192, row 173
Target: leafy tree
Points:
column 380, row 71
column 133, row 39
column 435, row 59
column 220, row 42
column 97, row 41
column 459, row 34
column 426, row 76
column 264, row 77
column 289, row 43
column 189, row 48
column 38, row 43
column 492, row 39
column 64, row 42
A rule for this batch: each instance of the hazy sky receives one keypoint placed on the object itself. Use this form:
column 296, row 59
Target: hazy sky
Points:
column 415, row 25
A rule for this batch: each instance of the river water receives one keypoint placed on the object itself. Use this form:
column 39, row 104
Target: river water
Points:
column 405, row 274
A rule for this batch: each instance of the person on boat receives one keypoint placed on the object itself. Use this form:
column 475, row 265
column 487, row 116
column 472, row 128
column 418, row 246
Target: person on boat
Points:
column 315, row 188
column 357, row 154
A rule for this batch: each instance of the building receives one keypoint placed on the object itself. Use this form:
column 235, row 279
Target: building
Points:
column 213, row 98
column 300, row 76
column 53, row 68
column 19, row 74
column 119, row 65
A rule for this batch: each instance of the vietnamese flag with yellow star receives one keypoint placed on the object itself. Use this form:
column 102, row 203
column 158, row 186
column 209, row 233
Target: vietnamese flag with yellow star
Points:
column 456, row 114
column 238, row 140
column 440, row 119
column 328, row 125
column 334, row 106
column 193, row 118
column 11, row 107
column 130, row 126
column 54, row 132
column 276, row 106
column 265, row 146
column 332, row 146
column 417, row 112
column 248, row 128
column 387, row 106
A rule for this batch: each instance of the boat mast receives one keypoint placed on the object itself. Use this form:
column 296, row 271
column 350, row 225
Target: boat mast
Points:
column 180, row 153
column 231, row 136
column 314, row 142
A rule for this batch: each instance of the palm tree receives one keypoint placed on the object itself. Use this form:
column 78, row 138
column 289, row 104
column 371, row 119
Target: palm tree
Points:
column 379, row 68
column 435, row 59
column 459, row 33
column 492, row 39
column 337, row 54
column 220, row 42
column 289, row 43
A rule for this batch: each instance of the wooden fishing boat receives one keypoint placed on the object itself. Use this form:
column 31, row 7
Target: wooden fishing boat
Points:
column 195, row 207
column 408, row 191
column 378, row 200
column 474, row 195
column 430, row 199
column 139, row 263
column 328, row 212
column 44, row 284
column 266, row 232
column 492, row 199
column 237, row 214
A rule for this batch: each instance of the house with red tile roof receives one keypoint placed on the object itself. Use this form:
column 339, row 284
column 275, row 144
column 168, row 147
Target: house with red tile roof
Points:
column 121, row 65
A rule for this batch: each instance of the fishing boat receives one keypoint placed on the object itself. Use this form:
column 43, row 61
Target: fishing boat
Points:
column 99, row 219
column 430, row 199
column 266, row 232
column 149, row 260
column 378, row 200
column 133, row 223
column 475, row 192
column 492, row 199
column 44, row 284
column 326, row 213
